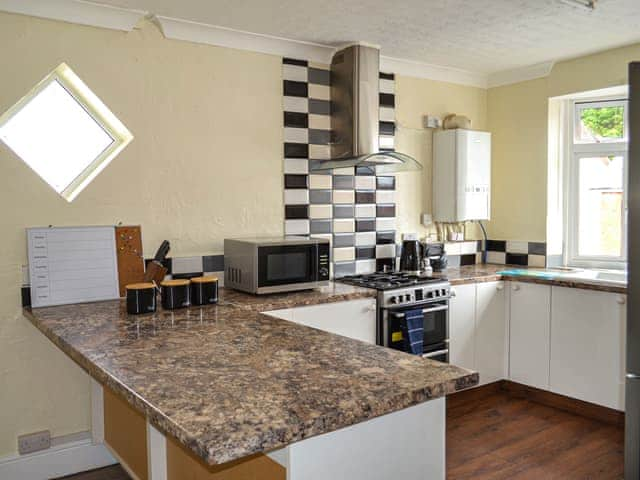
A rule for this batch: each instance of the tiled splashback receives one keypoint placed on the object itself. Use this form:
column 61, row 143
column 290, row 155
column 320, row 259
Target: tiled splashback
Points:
column 351, row 207
column 532, row 254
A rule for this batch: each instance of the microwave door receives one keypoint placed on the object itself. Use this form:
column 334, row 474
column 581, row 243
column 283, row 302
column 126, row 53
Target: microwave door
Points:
column 286, row 264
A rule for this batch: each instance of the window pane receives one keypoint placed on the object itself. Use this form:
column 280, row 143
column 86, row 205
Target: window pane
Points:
column 601, row 206
column 55, row 136
column 600, row 124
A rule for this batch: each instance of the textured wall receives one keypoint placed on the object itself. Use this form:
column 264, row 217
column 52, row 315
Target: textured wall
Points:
column 518, row 121
column 206, row 163
column 416, row 97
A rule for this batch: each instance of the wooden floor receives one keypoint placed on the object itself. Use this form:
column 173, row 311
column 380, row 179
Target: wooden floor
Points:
column 498, row 436
column 114, row 472
column 493, row 435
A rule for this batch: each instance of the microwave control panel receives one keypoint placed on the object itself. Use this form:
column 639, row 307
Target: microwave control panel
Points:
column 323, row 261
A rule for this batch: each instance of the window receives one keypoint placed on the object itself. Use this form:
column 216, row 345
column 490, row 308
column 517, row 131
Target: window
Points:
column 596, row 204
column 63, row 132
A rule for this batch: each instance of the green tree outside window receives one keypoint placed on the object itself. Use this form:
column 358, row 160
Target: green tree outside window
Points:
column 604, row 122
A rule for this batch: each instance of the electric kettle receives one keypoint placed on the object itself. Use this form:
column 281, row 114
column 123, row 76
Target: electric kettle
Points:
column 411, row 255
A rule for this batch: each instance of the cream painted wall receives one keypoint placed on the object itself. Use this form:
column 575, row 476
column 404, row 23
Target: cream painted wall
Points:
column 518, row 120
column 415, row 98
column 206, row 163
column 518, row 124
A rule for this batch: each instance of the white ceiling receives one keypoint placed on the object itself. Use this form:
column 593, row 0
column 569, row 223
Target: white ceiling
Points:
column 483, row 36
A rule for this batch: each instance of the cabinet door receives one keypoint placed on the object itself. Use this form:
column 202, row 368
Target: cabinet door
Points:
column 588, row 345
column 354, row 319
column 491, row 339
column 529, row 327
column 462, row 319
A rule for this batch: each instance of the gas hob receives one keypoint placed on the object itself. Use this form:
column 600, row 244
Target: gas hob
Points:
column 388, row 280
column 398, row 289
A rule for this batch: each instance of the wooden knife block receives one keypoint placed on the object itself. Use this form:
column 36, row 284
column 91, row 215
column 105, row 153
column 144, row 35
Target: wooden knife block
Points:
column 129, row 255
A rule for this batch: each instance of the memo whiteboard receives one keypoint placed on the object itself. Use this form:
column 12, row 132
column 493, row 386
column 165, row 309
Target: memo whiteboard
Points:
column 72, row 265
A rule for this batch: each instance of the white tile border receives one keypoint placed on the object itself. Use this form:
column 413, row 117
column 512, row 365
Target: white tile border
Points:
column 496, row 257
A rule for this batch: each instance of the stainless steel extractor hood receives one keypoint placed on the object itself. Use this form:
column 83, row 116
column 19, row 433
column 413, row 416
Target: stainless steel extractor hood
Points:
column 355, row 109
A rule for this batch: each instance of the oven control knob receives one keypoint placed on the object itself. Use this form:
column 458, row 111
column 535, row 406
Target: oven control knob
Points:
column 407, row 297
column 393, row 300
column 324, row 272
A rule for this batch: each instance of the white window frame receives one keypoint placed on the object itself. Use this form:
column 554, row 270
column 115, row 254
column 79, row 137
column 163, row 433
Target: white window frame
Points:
column 577, row 149
column 95, row 108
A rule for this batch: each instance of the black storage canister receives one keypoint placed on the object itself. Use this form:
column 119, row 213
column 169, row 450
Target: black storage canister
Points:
column 204, row 290
column 141, row 298
column 175, row 294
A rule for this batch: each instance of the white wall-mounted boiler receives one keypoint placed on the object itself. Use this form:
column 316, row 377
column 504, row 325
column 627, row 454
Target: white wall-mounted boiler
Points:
column 461, row 175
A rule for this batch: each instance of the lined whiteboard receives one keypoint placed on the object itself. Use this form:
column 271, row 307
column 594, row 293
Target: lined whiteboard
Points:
column 72, row 265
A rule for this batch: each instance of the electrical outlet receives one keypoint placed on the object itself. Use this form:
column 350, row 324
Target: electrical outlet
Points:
column 34, row 442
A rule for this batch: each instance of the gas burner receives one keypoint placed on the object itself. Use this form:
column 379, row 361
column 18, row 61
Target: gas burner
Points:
column 388, row 280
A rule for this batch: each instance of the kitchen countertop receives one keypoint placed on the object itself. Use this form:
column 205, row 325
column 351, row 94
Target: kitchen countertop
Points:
column 227, row 381
column 490, row 273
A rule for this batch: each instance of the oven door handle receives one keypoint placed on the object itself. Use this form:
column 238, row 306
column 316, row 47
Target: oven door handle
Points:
column 435, row 354
column 439, row 308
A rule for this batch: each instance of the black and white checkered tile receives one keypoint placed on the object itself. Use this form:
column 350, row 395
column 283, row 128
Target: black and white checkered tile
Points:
column 508, row 252
column 351, row 207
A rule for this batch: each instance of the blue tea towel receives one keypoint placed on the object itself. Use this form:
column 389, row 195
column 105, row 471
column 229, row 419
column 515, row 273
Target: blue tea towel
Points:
column 413, row 334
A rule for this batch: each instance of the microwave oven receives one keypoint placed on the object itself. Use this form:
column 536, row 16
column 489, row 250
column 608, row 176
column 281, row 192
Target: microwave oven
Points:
column 271, row 265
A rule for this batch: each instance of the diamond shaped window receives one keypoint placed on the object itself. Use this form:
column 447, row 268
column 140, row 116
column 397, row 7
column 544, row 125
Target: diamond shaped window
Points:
column 64, row 132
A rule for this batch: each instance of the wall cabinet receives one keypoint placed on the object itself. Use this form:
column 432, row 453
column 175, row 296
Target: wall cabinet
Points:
column 588, row 345
column 529, row 329
column 354, row 319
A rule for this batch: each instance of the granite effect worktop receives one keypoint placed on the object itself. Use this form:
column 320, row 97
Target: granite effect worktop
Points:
column 227, row 381
column 490, row 273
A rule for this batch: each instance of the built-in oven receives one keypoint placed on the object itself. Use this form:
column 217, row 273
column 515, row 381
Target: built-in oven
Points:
column 282, row 264
column 432, row 302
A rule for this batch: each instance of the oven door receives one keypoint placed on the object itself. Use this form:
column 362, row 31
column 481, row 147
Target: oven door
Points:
column 435, row 324
column 287, row 264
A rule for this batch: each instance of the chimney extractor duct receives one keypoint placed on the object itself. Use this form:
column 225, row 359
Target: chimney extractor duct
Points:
column 355, row 109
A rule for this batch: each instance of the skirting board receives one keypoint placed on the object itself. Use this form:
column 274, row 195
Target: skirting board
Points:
column 65, row 459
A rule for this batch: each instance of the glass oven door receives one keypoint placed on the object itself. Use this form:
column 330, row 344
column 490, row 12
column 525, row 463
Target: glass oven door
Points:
column 435, row 324
column 287, row 264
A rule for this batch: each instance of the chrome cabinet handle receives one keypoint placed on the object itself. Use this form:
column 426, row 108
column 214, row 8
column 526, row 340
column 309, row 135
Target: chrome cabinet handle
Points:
column 452, row 293
column 516, row 287
column 500, row 286
column 621, row 300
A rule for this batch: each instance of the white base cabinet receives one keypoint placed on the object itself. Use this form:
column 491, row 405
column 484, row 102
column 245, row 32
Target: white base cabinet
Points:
column 462, row 326
column 492, row 332
column 588, row 345
column 529, row 329
column 478, row 330
column 354, row 319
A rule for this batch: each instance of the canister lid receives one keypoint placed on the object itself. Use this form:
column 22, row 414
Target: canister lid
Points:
column 140, row 286
column 206, row 279
column 174, row 283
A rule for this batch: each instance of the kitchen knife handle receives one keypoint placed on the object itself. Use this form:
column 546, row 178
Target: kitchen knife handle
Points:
column 161, row 254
